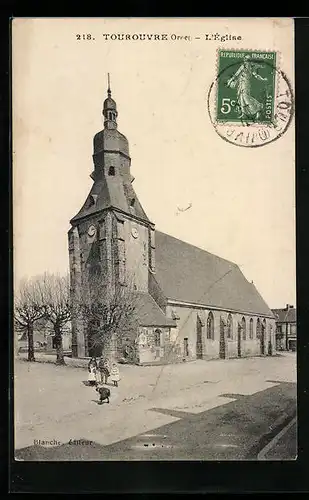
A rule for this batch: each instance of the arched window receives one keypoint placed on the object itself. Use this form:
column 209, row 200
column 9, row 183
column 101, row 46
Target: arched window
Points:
column 132, row 202
column 210, row 326
column 111, row 171
column 229, row 326
column 258, row 329
column 251, row 329
column 244, row 328
column 157, row 338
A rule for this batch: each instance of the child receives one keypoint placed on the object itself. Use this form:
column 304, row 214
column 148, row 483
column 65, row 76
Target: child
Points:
column 92, row 375
column 115, row 376
column 104, row 370
column 92, row 371
column 104, row 393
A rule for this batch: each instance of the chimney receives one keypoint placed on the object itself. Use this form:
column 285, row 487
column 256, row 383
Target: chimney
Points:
column 289, row 306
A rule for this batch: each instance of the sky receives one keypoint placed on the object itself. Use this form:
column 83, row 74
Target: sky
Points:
column 243, row 199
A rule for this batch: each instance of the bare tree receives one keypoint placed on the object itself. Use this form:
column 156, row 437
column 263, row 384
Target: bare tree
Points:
column 28, row 308
column 55, row 295
column 109, row 314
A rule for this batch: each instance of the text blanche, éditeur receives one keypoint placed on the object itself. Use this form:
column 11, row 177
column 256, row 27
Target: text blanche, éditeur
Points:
column 55, row 442
column 173, row 36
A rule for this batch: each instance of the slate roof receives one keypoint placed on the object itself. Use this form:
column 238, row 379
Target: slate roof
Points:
column 187, row 273
column 284, row 315
column 113, row 191
column 109, row 195
column 105, row 198
column 149, row 313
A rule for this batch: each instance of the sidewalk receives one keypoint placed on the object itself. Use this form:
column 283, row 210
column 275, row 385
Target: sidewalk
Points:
column 284, row 444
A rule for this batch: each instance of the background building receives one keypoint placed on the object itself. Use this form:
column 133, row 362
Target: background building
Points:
column 191, row 303
column 286, row 328
column 44, row 338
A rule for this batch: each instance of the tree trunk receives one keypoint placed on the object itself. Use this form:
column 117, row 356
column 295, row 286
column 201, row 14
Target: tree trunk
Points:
column 30, row 343
column 107, row 350
column 59, row 346
column 16, row 344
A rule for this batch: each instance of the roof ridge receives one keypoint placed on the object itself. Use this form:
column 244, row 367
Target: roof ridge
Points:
column 282, row 308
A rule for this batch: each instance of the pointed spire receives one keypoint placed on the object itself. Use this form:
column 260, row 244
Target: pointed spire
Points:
column 109, row 93
column 109, row 108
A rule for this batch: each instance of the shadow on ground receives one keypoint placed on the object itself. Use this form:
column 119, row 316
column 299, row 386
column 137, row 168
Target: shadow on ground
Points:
column 237, row 430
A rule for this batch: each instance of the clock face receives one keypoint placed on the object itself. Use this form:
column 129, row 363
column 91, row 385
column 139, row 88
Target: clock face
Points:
column 134, row 232
column 91, row 231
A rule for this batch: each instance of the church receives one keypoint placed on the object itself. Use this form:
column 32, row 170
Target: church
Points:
column 192, row 304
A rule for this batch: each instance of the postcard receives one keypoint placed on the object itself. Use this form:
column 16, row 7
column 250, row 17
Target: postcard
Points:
column 154, row 239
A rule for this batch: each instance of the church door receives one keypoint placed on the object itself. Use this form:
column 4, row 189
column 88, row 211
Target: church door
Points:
column 222, row 354
column 262, row 340
column 199, row 342
column 185, row 347
column 239, row 341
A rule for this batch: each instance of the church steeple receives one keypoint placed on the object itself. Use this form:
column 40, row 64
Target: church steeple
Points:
column 110, row 110
column 112, row 188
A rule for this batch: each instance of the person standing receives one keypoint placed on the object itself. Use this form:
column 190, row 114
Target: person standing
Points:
column 104, row 370
column 115, row 375
column 92, row 371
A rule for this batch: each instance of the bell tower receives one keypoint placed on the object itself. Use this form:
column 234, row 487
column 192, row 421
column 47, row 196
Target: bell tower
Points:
column 111, row 233
column 110, row 110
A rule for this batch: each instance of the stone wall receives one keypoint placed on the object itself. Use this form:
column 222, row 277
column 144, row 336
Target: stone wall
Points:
column 136, row 254
column 216, row 347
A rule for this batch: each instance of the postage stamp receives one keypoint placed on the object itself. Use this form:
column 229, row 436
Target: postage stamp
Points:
column 250, row 103
column 246, row 90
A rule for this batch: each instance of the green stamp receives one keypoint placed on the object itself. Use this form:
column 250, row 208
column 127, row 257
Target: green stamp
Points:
column 246, row 87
